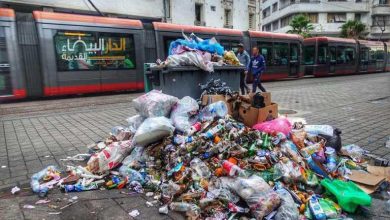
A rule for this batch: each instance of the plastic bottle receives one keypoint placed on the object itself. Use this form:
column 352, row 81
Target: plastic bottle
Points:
column 216, row 109
column 331, row 163
column 211, row 132
column 252, row 150
column 200, row 168
column 266, row 141
column 184, row 207
column 316, row 209
column 313, row 166
column 232, row 169
column 194, row 128
column 80, row 187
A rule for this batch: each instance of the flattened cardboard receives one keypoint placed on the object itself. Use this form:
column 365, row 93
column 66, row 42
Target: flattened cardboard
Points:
column 366, row 181
column 379, row 171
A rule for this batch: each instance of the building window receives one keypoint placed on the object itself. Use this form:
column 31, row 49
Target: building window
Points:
column 266, row 12
column 285, row 21
column 275, row 25
column 313, row 17
column 275, row 7
column 251, row 21
column 228, row 18
column 383, row 2
column 358, row 17
column 198, row 14
column 168, row 8
column 337, row 17
column 381, row 21
column 267, row 27
column 94, row 51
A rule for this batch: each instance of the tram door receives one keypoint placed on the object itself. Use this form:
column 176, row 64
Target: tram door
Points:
column 363, row 60
column 294, row 59
column 332, row 59
column 5, row 73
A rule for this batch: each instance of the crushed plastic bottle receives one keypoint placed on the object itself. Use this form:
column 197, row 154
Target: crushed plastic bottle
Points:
column 184, row 207
column 200, row 169
column 132, row 175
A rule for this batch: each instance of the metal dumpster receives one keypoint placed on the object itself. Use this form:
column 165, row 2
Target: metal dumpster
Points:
column 184, row 81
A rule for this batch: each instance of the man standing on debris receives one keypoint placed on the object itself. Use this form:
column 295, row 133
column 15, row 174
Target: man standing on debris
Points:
column 244, row 59
column 256, row 67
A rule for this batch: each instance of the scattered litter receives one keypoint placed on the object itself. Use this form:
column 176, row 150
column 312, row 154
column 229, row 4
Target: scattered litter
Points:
column 163, row 209
column 66, row 206
column 15, row 190
column 54, row 213
column 42, row 201
column 207, row 164
column 29, row 207
column 134, row 213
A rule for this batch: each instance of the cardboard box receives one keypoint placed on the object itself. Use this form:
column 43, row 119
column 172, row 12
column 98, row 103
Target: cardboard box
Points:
column 266, row 95
column 251, row 116
column 208, row 99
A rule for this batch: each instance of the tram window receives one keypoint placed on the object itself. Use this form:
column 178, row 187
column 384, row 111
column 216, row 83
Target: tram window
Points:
column 3, row 48
column 345, row 55
column 94, row 51
column 266, row 50
column 280, row 54
column 308, row 55
column 230, row 45
column 372, row 55
column 380, row 54
column 364, row 54
column 322, row 51
column 294, row 52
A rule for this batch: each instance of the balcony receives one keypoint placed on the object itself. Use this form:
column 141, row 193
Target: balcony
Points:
column 381, row 9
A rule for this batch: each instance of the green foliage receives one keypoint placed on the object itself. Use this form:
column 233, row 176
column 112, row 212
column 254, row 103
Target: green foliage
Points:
column 300, row 24
column 353, row 29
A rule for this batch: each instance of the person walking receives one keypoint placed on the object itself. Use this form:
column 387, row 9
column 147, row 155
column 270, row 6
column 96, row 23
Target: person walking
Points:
column 256, row 68
column 244, row 59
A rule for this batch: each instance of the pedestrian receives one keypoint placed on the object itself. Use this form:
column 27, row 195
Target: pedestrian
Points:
column 256, row 68
column 244, row 59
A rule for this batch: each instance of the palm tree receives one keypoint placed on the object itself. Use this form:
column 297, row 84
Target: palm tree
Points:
column 301, row 25
column 353, row 29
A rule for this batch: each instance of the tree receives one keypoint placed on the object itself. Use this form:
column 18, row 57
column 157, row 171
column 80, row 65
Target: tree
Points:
column 353, row 29
column 300, row 24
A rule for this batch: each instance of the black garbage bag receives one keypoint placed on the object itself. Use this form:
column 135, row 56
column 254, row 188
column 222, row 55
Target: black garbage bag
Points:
column 214, row 87
column 258, row 101
column 333, row 141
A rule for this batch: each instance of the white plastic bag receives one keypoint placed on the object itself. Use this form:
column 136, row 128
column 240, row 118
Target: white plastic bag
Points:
column 152, row 130
column 319, row 129
column 181, row 113
column 259, row 196
column 288, row 208
column 109, row 157
column 134, row 122
column 154, row 104
column 133, row 159
column 191, row 58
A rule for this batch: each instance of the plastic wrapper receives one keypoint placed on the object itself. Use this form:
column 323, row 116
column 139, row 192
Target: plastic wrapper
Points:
column 134, row 122
column 194, row 42
column 191, row 58
column 42, row 189
column 289, row 171
column 230, row 58
column 181, row 113
column 282, row 125
column 133, row 159
column 214, row 110
column 319, row 129
column 152, row 130
column 110, row 157
column 154, row 104
column 354, row 151
column 288, row 208
column 131, row 175
column 258, row 195
column 298, row 138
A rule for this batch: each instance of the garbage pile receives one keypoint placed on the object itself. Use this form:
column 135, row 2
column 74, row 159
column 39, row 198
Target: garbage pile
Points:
column 207, row 165
column 195, row 51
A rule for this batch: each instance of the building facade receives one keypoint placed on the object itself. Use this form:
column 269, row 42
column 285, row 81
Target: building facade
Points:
column 328, row 16
column 237, row 14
